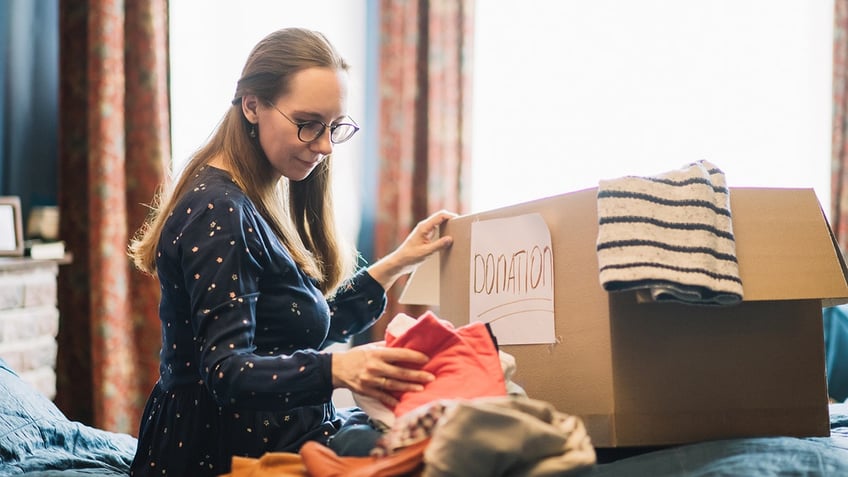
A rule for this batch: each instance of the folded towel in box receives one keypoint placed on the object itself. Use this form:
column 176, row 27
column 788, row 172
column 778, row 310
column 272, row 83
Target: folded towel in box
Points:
column 669, row 235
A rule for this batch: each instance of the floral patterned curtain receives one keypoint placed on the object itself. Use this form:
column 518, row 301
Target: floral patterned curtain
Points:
column 839, row 151
column 425, row 131
column 113, row 153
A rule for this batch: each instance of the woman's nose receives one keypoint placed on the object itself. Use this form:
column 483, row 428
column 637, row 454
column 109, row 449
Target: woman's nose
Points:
column 322, row 143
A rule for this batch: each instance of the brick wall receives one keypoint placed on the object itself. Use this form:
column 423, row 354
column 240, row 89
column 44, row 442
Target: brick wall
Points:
column 29, row 320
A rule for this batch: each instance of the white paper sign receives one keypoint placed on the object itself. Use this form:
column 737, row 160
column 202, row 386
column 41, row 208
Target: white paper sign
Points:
column 512, row 279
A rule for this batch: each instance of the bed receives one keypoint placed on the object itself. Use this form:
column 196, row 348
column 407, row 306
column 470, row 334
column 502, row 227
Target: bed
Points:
column 752, row 457
column 36, row 439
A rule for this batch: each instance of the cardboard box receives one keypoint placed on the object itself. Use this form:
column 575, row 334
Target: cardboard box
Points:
column 645, row 374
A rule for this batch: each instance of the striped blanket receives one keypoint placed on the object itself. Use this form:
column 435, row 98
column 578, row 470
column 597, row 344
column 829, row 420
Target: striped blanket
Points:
column 669, row 236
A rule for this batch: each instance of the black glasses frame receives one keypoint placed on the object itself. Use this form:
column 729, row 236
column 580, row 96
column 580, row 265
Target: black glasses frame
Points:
column 311, row 124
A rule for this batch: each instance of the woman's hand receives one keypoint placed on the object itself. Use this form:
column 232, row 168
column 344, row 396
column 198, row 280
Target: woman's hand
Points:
column 422, row 242
column 380, row 372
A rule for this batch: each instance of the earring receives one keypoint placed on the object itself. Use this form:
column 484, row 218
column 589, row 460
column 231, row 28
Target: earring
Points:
column 252, row 131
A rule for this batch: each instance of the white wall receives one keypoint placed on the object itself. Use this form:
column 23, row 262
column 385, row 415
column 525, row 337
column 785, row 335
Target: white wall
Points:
column 571, row 91
column 210, row 41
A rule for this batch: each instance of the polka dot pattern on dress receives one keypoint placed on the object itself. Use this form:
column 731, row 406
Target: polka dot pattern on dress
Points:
column 243, row 330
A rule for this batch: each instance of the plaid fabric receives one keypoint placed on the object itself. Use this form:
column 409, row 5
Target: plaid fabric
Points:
column 411, row 428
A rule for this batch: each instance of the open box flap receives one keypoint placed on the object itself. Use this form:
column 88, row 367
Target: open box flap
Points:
column 841, row 257
column 785, row 247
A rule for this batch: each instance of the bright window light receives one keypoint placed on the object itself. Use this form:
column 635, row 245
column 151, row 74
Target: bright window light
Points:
column 570, row 92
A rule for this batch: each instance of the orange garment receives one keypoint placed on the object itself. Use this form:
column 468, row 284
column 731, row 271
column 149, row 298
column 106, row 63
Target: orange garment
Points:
column 321, row 461
column 271, row 464
column 464, row 360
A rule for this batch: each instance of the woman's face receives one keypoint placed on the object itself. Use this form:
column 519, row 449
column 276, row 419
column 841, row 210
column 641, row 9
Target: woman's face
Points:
column 316, row 94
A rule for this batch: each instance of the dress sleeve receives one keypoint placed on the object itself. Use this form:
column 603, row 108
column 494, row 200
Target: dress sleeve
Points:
column 355, row 307
column 222, row 257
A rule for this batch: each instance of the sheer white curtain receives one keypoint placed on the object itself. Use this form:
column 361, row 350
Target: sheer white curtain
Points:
column 567, row 92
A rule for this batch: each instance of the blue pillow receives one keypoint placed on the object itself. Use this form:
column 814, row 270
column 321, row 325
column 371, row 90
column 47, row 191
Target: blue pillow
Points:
column 35, row 436
column 836, row 350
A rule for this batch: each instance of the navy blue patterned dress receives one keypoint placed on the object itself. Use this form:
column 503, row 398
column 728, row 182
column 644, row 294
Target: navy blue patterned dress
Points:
column 241, row 372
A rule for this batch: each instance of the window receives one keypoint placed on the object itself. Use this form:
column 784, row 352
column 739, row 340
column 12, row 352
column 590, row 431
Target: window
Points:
column 570, row 92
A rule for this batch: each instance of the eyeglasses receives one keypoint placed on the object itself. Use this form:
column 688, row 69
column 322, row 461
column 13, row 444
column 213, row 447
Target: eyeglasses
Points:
column 308, row 131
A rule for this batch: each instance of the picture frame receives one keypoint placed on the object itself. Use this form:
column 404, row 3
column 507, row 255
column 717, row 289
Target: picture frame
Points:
column 11, row 227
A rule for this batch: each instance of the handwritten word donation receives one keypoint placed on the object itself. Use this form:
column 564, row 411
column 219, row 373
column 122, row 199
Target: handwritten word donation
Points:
column 512, row 278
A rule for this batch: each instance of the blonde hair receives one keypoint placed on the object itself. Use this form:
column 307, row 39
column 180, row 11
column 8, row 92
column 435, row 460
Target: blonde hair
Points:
column 300, row 212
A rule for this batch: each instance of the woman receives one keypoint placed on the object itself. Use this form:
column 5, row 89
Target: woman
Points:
column 252, row 276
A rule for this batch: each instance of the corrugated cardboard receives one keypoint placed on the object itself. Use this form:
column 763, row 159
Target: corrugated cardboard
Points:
column 644, row 374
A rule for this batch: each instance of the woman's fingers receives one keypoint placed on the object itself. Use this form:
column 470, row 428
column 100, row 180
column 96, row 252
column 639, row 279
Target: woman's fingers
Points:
column 381, row 372
column 402, row 355
column 388, row 389
column 429, row 225
column 401, row 369
column 438, row 218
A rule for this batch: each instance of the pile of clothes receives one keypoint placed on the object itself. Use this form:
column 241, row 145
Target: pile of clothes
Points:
column 471, row 420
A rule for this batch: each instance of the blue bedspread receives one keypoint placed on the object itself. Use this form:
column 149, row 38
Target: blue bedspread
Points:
column 752, row 457
column 36, row 439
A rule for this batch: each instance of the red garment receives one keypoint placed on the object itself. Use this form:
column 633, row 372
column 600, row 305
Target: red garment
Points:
column 464, row 360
